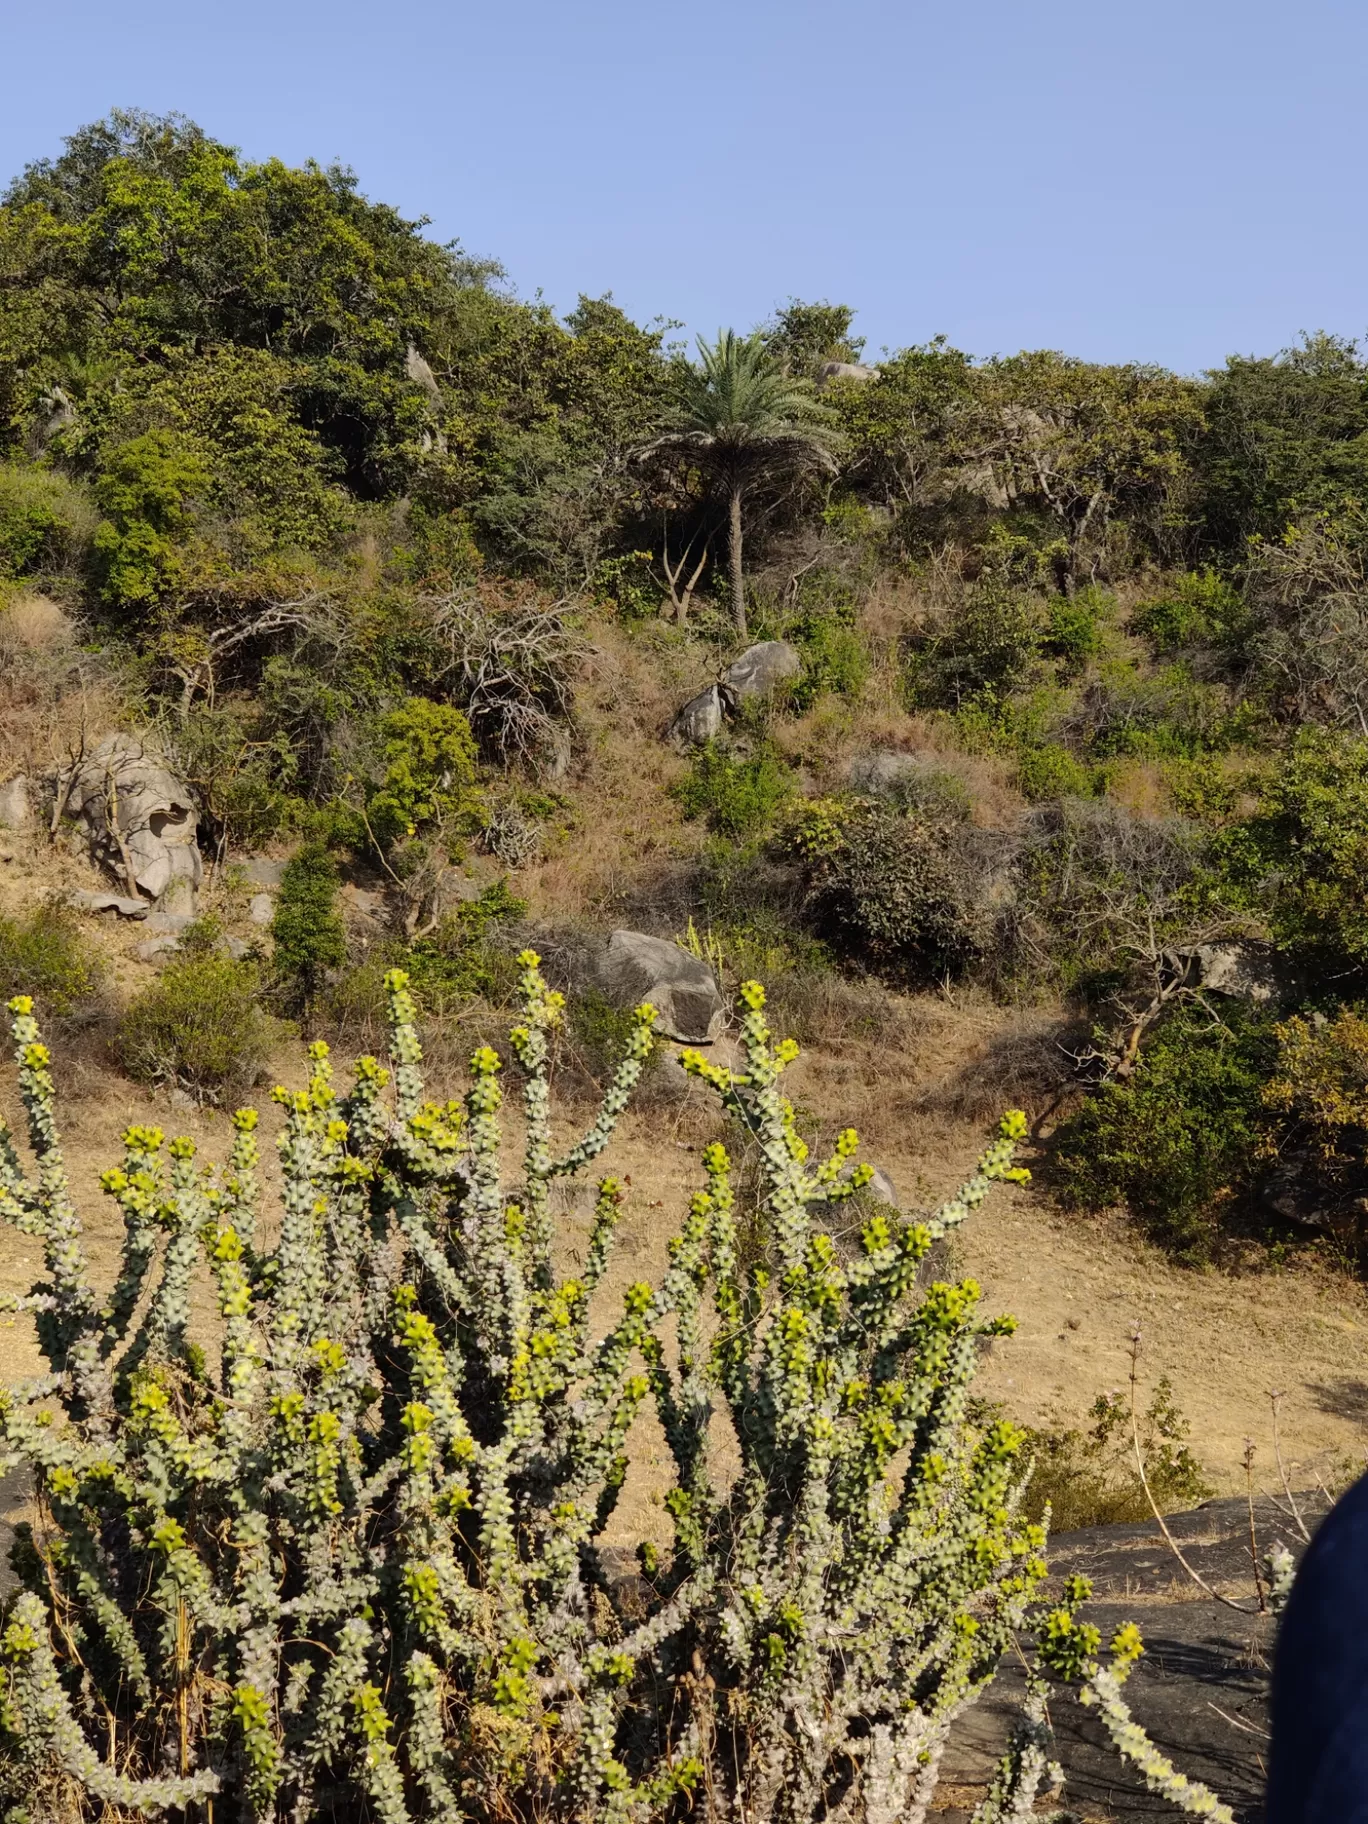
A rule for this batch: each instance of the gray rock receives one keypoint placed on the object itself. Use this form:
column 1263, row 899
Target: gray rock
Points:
column 700, row 719
column 124, row 783
column 237, row 948
column 261, row 873
column 172, row 922
column 262, row 909
column 1239, row 970
column 844, row 370
column 882, row 1187
column 108, row 902
column 156, row 949
column 633, row 968
column 761, row 670
column 15, row 811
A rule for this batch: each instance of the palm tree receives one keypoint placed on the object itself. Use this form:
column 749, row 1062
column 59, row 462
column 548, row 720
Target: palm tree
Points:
column 743, row 420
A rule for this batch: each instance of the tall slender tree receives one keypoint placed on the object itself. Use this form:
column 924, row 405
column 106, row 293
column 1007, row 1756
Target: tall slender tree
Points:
column 743, row 421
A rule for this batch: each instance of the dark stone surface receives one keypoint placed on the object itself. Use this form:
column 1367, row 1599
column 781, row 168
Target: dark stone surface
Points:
column 1200, row 1690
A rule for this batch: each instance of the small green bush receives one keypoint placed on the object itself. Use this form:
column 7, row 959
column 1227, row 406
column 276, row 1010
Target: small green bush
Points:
column 307, row 929
column 1074, row 625
column 45, row 956
column 1089, row 1478
column 464, row 957
column 1178, row 1143
column 1053, row 772
column 835, row 660
column 884, row 889
column 428, row 781
column 200, row 1025
column 46, row 522
column 1201, row 608
column 735, row 795
column 984, row 649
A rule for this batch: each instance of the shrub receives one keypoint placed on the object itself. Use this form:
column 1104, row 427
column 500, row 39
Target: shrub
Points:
column 1179, row 1142
column 199, row 1025
column 463, row 957
column 429, row 774
column 46, row 957
column 886, row 889
column 307, row 929
column 1301, row 861
column 736, row 795
column 984, row 648
column 1053, row 772
column 46, row 522
column 351, row 1567
column 1200, row 608
column 1090, row 1479
column 1320, row 1087
column 1074, row 625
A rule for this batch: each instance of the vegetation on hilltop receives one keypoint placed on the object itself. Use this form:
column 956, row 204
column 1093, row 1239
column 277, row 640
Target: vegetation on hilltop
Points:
column 341, row 517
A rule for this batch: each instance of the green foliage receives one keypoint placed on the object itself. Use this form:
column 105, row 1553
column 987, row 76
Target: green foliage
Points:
column 1052, row 771
column 429, row 778
column 884, row 889
column 46, row 957
column 1090, row 1479
column 835, row 657
column 46, row 522
column 1320, row 1088
column 984, row 648
column 1301, row 861
column 1179, row 1142
column 803, row 336
column 1074, row 626
column 737, row 795
column 1282, row 435
column 464, row 955
column 147, row 491
column 306, row 930
column 414, row 1437
column 199, row 1025
column 1200, row 609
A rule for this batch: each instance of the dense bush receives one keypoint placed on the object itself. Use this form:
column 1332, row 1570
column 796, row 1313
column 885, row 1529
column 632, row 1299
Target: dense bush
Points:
column 736, row 794
column 46, row 957
column 888, row 890
column 1180, row 1143
column 46, row 522
column 200, row 1025
column 352, row 1567
column 306, row 930
column 1090, row 1478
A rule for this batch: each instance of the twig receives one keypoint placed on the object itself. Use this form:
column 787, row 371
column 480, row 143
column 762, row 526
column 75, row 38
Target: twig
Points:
column 1253, row 1535
column 1275, row 1396
column 1235, row 1723
column 1172, row 1543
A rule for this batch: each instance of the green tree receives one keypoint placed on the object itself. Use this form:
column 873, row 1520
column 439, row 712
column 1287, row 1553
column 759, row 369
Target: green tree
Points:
column 743, row 421
column 1284, row 435
column 803, row 336
column 306, row 930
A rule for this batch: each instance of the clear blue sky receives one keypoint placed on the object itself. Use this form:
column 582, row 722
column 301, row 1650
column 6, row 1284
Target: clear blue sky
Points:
column 1164, row 180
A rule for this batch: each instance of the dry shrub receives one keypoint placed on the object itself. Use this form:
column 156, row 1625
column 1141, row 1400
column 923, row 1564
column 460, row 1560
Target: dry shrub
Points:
column 33, row 624
column 1023, row 1066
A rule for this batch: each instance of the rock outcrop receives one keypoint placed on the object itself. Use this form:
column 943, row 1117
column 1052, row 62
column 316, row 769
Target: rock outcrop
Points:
column 633, row 967
column 761, row 670
column 140, row 820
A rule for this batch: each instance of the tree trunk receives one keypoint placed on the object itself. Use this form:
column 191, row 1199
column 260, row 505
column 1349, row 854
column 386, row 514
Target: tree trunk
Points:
column 738, row 584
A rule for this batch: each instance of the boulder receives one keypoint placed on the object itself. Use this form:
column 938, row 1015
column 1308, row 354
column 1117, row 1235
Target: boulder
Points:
column 844, row 370
column 700, row 719
column 761, row 670
column 108, row 902
column 262, row 909
column 1245, row 972
column 15, row 811
column 130, row 804
column 262, row 874
column 633, row 967
column 882, row 1187
column 156, row 949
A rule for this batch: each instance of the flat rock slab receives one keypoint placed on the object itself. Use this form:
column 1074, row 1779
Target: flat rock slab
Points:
column 1200, row 1689
column 109, row 902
